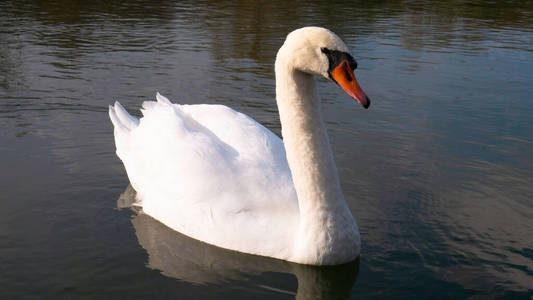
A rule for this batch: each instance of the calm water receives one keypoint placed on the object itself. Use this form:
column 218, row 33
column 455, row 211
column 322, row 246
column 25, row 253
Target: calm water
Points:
column 438, row 172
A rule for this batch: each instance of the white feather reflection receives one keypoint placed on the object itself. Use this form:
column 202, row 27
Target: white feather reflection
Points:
column 187, row 259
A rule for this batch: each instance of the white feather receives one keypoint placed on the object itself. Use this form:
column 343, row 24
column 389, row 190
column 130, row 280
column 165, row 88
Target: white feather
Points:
column 217, row 175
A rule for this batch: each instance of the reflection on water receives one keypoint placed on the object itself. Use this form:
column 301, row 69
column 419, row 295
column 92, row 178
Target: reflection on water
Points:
column 181, row 257
column 437, row 172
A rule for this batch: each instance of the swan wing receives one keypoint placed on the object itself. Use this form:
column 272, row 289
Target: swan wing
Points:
column 209, row 172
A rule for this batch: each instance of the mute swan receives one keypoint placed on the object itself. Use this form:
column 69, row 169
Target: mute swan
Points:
column 218, row 176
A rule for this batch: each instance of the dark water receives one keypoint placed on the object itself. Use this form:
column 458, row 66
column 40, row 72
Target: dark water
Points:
column 438, row 172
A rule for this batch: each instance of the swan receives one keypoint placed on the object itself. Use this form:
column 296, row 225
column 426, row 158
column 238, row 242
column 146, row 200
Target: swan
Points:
column 217, row 175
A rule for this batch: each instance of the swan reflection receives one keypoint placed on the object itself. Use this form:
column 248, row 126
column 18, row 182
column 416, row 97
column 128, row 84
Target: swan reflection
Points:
column 187, row 259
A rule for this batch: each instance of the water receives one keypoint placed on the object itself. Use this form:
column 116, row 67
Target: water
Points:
column 438, row 172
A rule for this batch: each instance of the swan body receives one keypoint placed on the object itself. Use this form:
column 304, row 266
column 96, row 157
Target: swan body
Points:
column 218, row 176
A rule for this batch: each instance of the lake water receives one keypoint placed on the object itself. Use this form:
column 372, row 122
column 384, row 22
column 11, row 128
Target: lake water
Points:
column 438, row 172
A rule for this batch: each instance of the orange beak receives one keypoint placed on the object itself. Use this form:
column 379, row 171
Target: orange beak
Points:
column 345, row 77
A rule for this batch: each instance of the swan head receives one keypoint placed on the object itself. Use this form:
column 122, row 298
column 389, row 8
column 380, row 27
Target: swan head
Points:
column 318, row 51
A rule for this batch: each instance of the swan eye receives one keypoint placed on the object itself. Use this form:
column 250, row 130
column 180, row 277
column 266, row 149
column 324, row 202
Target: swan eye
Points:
column 335, row 57
column 352, row 63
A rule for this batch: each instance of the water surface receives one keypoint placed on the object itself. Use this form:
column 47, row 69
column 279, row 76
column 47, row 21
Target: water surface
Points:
column 438, row 172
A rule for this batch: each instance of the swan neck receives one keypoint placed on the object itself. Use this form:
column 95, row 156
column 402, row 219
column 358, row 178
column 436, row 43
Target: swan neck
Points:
column 306, row 142
column 327, row 231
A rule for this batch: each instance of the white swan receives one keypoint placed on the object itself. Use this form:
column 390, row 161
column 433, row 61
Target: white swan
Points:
column 217, row 175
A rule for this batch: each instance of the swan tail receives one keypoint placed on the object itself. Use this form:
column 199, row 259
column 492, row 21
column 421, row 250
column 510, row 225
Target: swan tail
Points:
column 162, row 99
column 124, row 123
column 161, row 102
column 121, row 119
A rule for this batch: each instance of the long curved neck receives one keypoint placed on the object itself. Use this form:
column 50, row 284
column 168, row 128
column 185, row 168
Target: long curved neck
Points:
column 306, row 142
column 325, row 219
